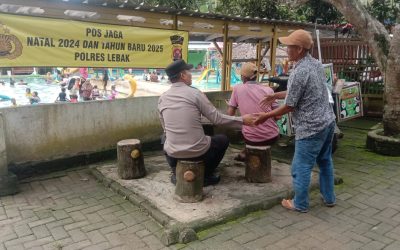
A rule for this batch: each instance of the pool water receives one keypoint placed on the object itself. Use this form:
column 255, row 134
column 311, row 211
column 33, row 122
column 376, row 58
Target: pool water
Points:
column 47, row 92
column 211, row 84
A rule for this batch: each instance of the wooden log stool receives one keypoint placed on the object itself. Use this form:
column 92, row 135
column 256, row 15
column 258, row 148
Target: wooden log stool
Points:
column 189, row 181
column 258, row 164
column 130, row 159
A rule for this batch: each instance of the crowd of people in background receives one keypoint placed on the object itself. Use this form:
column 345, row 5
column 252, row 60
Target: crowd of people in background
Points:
column 81, row 89
column 153, row 76
column 73, row 89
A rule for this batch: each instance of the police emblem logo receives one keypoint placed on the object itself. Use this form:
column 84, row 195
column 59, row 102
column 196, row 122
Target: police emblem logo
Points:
column 177, row 42
column 10, row 46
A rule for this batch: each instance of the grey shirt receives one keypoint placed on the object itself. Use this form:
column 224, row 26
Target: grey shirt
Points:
column 180, row 109
column 308, row 96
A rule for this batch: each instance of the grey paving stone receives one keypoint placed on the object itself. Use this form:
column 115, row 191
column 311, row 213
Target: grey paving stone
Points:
column 113, row 228
column 152, row 242
column 99, row 246
column 373, row 245
column 74, row 225
column 60, row 214
column 352, row 245
column 378, row 237
column 394, row 246
column 19, row 241
column 244, row 238
column 58, row 223
column 41, row 222
column 264, row 241
column 143, row 233
column 40, row 231
column 23, row 230
column 38, row 242
column 59, row 233
column 77, row 245
column 77, row 235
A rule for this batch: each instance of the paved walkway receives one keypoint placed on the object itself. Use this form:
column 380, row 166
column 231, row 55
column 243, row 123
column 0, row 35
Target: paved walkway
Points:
column 70, row 210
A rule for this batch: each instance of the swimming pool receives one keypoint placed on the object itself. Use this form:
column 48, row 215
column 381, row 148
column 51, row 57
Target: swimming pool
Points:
column 211, row 84
column 47, row 92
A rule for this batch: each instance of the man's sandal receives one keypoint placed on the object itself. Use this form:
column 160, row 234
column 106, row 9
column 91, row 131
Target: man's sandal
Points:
column 288, row 204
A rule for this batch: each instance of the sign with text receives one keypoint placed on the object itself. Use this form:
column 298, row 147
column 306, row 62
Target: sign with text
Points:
column 34, row 41
column 349, row 104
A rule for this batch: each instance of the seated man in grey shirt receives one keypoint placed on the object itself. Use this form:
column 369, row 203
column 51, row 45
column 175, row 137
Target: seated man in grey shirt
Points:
column 180, row 109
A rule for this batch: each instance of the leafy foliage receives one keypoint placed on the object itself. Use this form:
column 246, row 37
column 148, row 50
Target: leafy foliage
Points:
column 310, row 11
column 386, row 11
column 325, row 12
column 177, row 4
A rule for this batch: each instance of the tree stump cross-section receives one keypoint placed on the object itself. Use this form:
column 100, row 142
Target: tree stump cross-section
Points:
column 189, row 181
column 130, row 159
column 258, row 164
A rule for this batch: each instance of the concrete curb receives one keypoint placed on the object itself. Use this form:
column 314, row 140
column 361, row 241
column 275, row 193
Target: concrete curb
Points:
column 381, row 144
column 175, row 232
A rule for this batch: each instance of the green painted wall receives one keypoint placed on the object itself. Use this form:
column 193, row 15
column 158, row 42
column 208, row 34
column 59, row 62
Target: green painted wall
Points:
column 197, row 56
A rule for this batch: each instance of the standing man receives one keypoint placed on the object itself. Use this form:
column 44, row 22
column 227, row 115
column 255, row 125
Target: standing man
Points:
column 313, row 118
column 105, row 80
column 180, row 109
column 246, row 97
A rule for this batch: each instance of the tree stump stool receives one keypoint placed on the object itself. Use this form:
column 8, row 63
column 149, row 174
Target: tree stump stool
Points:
column 258, row 164
column 189, row 181
column 130, row 159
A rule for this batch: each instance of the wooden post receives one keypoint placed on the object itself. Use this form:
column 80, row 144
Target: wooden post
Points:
column 189, row 181
column 258, row 164
column 259, row 58
column 274, row 45
column 176, row 22
column 224, row 56
column 228, row 65
column 130, row 159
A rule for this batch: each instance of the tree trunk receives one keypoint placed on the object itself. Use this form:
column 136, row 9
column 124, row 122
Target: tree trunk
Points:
column 258, row 164
column 130, row 159
column 189, row 181
column 391, row 111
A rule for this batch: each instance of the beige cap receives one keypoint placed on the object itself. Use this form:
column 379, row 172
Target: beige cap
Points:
column 300, row 38
column 248, row 70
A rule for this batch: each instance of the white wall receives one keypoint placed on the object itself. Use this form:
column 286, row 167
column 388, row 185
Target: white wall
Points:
column 42, row 133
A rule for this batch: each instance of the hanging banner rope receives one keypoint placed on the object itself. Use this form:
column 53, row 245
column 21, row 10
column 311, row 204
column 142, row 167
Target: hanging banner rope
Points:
column 33, row 41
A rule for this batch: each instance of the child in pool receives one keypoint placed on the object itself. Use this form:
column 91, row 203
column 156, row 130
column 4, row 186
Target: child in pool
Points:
column 28, row 93
column 95, row 92
column 35, row 99
column 113, row 93
column 62, row 96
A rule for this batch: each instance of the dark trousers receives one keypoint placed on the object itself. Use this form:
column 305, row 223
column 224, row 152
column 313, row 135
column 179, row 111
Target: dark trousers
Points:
column 269, row 142
column 212, row 158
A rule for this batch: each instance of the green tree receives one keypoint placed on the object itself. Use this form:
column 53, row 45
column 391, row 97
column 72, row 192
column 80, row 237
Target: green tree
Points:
column 324, row 12
column 310, row 11
column 252, row 8
column 176, row 4
column 386, row 11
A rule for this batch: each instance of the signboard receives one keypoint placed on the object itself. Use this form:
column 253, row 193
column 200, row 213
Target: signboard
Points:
column 34, row 41
column 328, row 68
column 349, row 104
column 285, row 124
